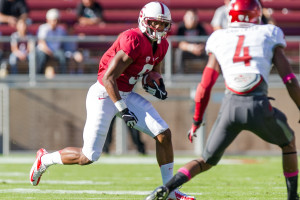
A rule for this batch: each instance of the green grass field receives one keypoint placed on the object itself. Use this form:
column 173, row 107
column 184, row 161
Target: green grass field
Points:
column 133, row 177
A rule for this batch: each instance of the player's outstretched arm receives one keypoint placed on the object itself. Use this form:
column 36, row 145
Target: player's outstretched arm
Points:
column 286, row 73
column 209, row 78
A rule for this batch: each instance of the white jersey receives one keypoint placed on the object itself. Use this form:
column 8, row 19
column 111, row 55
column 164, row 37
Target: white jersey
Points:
column 247, row 50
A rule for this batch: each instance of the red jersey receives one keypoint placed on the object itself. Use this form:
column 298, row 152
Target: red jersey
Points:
column 139, row 48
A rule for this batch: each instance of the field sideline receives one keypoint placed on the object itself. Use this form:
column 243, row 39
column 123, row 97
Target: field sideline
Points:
column 133, row 177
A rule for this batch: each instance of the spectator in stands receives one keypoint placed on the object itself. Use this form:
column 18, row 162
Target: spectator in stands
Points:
column 12, row 10
column 266, row 15
column 47, row 49
column 190, row 50
column 220, row 18
column 20, row 47
column 73, row 55
column 89, row 12
column 135, row 136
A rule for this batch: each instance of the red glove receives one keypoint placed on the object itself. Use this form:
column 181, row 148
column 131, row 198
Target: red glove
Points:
column 192, row 131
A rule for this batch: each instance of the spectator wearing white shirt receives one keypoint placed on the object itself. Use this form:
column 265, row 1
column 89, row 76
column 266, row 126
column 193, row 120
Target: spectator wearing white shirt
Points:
column 220, row 18
column 47, row 49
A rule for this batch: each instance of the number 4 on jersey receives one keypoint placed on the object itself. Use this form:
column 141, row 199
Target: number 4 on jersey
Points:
column 242, row 58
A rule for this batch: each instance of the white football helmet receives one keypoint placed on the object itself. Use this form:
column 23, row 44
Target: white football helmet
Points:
column 155, row 11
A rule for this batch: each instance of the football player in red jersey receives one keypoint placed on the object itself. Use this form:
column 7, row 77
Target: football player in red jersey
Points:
column 244, row 52
column 134, row 53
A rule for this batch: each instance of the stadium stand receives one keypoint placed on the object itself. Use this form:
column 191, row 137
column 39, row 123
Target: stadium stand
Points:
column 121, row 15
column 285, row 12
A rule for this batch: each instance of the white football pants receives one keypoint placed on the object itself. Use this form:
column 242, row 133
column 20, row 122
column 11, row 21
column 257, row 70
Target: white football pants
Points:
column 101, row 110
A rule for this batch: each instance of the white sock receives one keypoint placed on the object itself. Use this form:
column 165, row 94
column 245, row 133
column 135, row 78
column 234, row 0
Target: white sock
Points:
column 166, row 172
column 51, row 159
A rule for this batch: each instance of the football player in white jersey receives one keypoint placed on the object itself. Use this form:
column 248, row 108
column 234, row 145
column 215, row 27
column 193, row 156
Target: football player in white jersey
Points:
column 244, row 53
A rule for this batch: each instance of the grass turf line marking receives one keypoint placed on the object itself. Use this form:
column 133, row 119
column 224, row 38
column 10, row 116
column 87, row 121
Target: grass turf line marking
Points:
column 10, row 174
column 54, row 182
column 126, row 160
column 25, row 191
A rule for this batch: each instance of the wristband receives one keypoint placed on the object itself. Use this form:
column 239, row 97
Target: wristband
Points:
column 288, row 77
column 120, row 105
column 197, row 123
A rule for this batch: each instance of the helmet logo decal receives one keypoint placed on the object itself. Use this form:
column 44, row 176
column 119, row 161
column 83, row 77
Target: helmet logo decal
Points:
column 247, row 18
column 141, row 13
column 243, row 18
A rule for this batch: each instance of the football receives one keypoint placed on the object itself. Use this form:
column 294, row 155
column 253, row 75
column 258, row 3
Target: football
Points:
column 149, row 77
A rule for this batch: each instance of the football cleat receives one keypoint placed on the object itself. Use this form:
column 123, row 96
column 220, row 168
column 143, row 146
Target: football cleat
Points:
column 37, row 168
column 159, row 193
column 177, row 195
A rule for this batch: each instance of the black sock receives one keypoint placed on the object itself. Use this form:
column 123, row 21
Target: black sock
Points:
column 177, row 180
column 292, row 186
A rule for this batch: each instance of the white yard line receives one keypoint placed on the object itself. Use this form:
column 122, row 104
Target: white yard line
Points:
column 118, row 160
column 12, row 174
column 26, row 190
column 56, row 182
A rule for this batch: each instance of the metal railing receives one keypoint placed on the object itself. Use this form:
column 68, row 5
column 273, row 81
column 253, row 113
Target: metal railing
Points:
column 31, row 79
column 168, row 62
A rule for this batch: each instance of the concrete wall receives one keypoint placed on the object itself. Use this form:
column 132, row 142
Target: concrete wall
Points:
column 54, row 119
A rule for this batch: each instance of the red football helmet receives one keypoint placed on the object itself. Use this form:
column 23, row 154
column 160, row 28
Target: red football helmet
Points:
column 247, row 11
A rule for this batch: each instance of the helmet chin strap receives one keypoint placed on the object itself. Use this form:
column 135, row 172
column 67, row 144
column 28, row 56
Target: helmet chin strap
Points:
column 158, row 36
column 158, row 39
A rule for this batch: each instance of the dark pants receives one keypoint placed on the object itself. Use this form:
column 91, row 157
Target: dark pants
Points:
column 252, row 113
column 42, row 59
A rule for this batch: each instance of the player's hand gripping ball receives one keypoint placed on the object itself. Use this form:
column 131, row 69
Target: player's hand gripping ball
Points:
column 153, row 83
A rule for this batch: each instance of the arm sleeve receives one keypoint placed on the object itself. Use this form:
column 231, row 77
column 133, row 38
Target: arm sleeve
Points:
column 203, row 91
